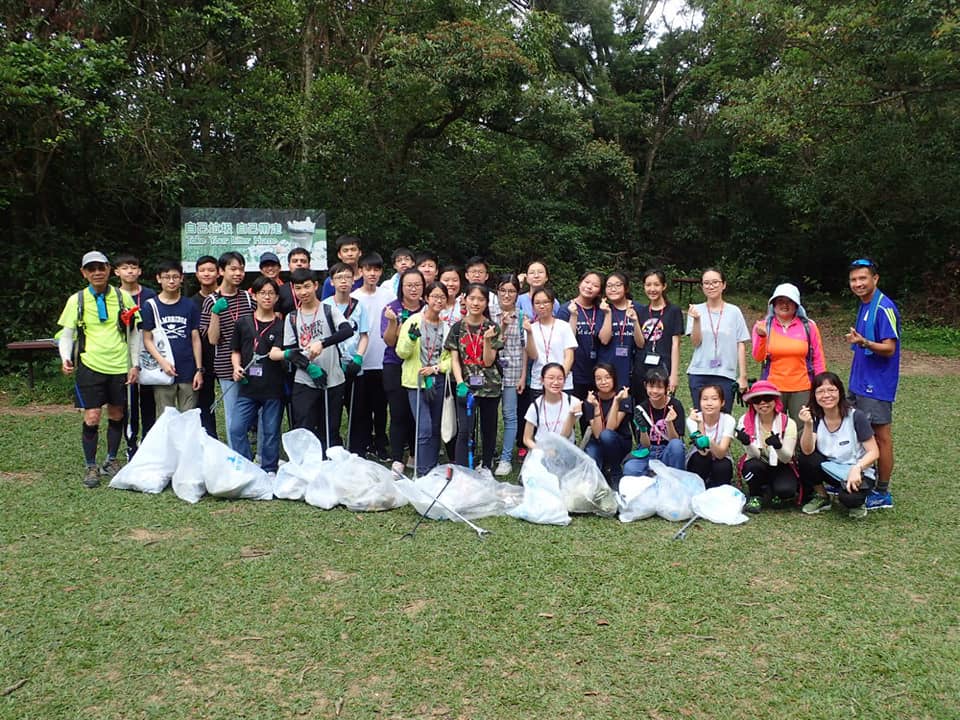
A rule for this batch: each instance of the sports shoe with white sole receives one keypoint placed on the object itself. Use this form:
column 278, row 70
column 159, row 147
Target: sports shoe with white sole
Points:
column 503, row 468
column 816, row 504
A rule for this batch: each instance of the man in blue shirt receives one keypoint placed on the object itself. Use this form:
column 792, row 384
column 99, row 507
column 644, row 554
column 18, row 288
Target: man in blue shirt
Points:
column 875, row 371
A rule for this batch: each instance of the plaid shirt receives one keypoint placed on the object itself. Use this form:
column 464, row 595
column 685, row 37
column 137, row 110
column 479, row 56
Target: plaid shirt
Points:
column 513, row 358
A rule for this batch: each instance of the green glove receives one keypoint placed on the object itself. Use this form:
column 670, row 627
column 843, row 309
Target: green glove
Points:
column 219, row 306
column 462, row 389
column 643, row 427
column 641, row 452
column 702, row 442
column 413, row 333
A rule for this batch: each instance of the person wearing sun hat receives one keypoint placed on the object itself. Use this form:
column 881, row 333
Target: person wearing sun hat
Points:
column 788, row 346
column 769, row 438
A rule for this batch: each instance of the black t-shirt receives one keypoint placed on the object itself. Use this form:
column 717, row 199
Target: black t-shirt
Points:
column 589, row 323
column 658, row 432
column 659, row 327
column 265, row 377
column 624, row 427
column 207, row 350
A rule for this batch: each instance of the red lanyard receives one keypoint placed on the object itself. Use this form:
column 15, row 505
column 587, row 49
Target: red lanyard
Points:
column 260, row 334
column 715, row 330
column 546, row 341
column 555, row 426
column 623, row 324
column 473, row 346
column 590, row 320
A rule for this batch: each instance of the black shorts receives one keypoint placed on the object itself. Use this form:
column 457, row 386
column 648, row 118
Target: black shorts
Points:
column 94, row 389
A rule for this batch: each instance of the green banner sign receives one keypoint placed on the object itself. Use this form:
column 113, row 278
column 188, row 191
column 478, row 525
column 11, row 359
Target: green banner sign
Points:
column 252, row 232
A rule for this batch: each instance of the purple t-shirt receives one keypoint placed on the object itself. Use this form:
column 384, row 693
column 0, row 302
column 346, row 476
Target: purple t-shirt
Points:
column 390, row 356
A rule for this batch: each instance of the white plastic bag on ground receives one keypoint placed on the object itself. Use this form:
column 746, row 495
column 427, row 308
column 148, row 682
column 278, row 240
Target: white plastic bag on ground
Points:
column 722, row 505
column 305, row 453
column 638, row 497
column 675, row 490
column 227, row 474
column 470, row 493
column 154, row 463
column 582, row 484
column 186, row 432
column 362, row 485
column 542, row 500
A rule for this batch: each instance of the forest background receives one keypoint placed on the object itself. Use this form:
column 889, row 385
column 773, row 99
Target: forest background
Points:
column 775, row 139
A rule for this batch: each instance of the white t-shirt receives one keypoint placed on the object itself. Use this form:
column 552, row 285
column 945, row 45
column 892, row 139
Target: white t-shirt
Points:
column 722, row 331
column 373, row 305
column 550, row 416
column 551, row 342
column 726, row 427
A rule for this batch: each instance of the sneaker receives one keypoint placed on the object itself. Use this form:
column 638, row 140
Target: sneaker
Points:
column 110, row 468
column 817, row 504
column 753, row 504
column 503, row 468
column 397, row 468
column 878, row 500
column 91, row 478
column 858, row 513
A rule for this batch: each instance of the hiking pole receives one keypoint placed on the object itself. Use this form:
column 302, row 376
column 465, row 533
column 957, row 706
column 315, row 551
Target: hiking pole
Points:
column 682, row 532
column 434, row 502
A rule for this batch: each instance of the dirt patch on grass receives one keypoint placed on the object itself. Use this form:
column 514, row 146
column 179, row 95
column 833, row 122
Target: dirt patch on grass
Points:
column 148, row 537
column 33, row 409
column 24, row 478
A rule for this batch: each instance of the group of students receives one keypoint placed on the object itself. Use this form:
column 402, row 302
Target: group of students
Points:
column 448, row 355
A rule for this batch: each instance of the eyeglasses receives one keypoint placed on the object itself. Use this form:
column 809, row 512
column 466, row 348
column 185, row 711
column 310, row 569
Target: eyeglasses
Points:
column 711, row 283
column 436, row 297
column 615, row 284
column 507, row 291
column 266, row 293
column 826, row 391
column 342, row 276
column 170, row 278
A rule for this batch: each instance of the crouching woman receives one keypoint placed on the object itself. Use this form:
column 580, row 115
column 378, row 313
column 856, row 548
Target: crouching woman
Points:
column 769, row 438
column 837, row 449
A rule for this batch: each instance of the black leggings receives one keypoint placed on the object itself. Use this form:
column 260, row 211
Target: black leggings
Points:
column 486, row 408
column 401, row 419
column 812, row 473
column 714, row 472
column 759, row 475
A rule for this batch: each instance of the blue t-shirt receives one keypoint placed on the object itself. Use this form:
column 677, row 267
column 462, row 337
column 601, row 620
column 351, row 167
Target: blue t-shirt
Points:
column 589, row 322
column 178, row 321
column 871, row 375
column 619, row 351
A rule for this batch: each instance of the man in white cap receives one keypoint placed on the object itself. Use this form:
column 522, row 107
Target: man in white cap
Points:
column 99, row 347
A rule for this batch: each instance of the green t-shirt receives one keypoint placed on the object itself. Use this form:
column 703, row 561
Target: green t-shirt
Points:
column 468, row 342
column 105, row 347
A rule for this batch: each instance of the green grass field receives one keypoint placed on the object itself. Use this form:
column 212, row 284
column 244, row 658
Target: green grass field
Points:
column 122, row 605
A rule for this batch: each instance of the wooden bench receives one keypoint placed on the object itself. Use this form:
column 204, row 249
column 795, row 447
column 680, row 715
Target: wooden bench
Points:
column 685, row 282
column 28, row 347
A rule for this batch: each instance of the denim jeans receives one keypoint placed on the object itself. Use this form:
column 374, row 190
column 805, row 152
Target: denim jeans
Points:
column 607, row 451
column 671, row 455
column 509, row 422
column 698, row 382
column 428, row 437
column 245, row 410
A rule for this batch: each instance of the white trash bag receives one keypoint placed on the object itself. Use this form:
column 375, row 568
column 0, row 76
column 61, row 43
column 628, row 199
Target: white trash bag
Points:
column 186, row 432
column 582, row 484
column 722, row 505
column 637, row 498
column 362, row 485
column 675, row 489
column 470, row 493
column 542, row 500
column 305, row 454
column 227, row 474
column 154, row 463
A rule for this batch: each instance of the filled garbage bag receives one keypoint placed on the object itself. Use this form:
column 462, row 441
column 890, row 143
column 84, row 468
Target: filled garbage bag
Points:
column 542, row 500
column 305, row 453
column 154, row 463
column 470, row 493
column 185, row 440
column 582, row 484
column 227, row 474
column 637, row 498
column 362, row 485
column 675, row 490
column 722, row 505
